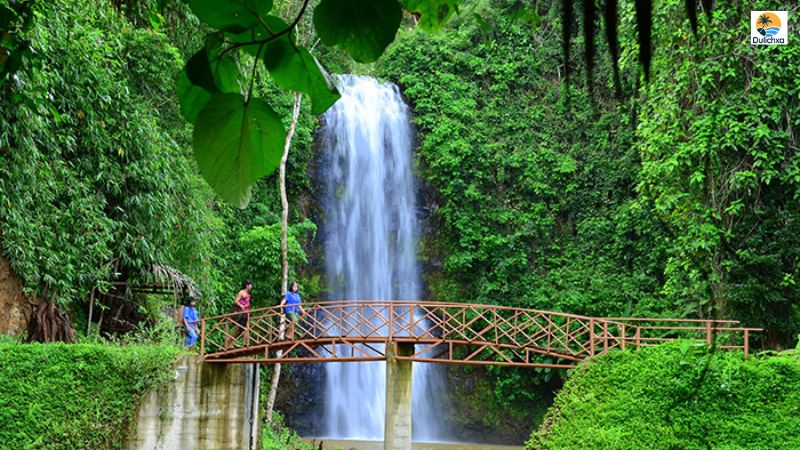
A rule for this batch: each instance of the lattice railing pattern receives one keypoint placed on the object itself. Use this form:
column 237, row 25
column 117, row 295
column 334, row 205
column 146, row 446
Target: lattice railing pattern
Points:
column 445, row 332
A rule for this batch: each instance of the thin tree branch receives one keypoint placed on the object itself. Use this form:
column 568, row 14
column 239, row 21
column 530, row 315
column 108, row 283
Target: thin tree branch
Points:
column 275, row 36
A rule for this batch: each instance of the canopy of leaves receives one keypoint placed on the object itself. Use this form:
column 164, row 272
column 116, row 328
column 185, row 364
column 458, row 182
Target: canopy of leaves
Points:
column 362, row 28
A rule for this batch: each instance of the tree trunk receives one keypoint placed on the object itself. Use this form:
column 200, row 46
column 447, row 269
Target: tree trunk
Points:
column 276, row 373
column 49, row 324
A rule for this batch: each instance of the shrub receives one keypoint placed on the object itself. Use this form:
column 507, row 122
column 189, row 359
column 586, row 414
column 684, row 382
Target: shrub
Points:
column 58, row 396
column 677, row 396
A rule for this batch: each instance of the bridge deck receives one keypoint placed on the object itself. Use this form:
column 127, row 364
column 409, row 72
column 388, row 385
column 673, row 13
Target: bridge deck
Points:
column 454, row 333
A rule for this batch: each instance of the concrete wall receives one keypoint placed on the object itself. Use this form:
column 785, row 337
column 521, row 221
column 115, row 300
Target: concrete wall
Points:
column 204, row 407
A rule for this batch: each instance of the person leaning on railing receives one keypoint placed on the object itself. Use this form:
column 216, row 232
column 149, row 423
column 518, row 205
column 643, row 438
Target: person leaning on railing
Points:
column 290, row 302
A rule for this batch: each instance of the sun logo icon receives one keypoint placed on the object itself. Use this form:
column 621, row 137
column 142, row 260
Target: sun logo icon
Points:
column 769, row 27
column 768, row 24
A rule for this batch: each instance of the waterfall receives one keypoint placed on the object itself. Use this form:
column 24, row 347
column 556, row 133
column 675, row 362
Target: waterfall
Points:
column 370, row 237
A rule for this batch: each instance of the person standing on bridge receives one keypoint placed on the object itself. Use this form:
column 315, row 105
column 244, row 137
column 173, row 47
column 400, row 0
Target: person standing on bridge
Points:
column 190, row 320
column 291, row 307
column 241, row 305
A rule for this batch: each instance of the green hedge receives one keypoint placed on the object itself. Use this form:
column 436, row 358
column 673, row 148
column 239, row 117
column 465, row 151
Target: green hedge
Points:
column 677, row 396
column 57, row 396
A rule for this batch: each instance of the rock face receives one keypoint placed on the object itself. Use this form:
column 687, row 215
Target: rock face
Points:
column 204, row 407
column 13, row 302
column 301, row 398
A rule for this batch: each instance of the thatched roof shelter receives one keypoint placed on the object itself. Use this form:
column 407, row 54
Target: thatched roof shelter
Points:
column 160, row 280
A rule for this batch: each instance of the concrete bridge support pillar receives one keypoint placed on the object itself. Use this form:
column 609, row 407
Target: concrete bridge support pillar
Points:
column 397, row 432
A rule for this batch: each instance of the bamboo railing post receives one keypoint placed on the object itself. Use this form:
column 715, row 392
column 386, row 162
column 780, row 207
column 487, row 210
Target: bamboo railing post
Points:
column 391, row 321
column 605, row 337
column 591, row 337
column 708, row 333
column 203, row 337
column 638, row 336
column 496, row 324
column 746, row 343
column 622, row 331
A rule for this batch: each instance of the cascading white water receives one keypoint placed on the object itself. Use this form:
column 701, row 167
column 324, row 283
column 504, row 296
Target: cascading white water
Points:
column 370, row 234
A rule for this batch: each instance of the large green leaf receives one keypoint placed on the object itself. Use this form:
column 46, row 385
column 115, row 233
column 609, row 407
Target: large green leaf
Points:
column 212, row 71
column 362, row 28
column 235, row 16
column 433, row 13
column 274, row 25
column 192, row 98
column 293, row 67
column 236, row 143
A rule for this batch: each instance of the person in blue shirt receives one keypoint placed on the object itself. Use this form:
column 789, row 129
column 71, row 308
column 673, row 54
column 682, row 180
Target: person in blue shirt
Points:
column 190, row 321
column 291, row 307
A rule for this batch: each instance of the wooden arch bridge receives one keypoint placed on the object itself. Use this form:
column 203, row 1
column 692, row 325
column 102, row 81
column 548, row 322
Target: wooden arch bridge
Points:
column 403, row 332
column 445, row 333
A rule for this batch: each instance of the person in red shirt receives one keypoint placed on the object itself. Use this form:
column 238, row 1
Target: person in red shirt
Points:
column 242, row 306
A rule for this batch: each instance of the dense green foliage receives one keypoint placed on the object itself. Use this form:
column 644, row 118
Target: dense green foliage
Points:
column 261, row 256
column 718, row 140
column 533, row 188
column 568, row 199
column 58, row 396
column 557, row 198
column 677, row 396
column 97, row 179
column 94, row 178
column 680, row 200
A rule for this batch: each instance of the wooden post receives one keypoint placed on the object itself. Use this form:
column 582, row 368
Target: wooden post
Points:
column 391, row 320
column 746, row 343
column 638, row 336
column 605, row 337
column 203, row 337
column 708, row 333
column 622, row 330
column 591, row 337
column 496, row 324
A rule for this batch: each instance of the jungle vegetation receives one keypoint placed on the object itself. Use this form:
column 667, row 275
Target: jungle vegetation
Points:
column 659, row 188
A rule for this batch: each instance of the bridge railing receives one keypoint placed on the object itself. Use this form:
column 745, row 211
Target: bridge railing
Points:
column 445, row 332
